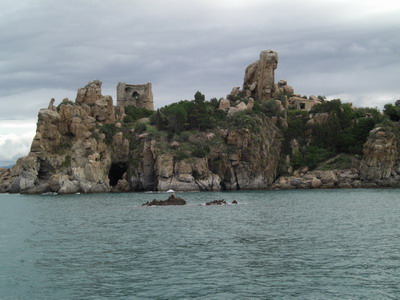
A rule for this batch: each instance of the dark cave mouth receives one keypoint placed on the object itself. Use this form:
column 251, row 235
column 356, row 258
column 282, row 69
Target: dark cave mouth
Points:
column 116, row 173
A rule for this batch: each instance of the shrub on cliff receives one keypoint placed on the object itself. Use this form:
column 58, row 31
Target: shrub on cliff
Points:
column 109, row 131
column 346, row 129
column 197, row 114
column 134, row 113
column 311, row 156
column 392, row 111
column 244, row 119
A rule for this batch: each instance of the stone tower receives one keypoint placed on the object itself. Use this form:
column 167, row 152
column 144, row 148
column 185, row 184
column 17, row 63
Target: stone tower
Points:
column 139, row 95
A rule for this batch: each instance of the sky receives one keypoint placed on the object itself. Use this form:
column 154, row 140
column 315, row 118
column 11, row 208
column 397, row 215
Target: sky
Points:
column 50, row 48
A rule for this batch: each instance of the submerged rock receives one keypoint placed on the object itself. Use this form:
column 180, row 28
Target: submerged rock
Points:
column 172, row 200
column 216, row 202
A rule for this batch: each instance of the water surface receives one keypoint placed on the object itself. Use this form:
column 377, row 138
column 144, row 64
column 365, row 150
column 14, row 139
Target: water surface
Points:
column 304, row 244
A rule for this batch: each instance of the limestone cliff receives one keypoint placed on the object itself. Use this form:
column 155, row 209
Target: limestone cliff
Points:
column 68, row 154
column 262, row 135
column 81, row 147
column 234, row 163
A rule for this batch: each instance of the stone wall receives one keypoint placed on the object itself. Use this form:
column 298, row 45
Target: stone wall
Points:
column 138, row 95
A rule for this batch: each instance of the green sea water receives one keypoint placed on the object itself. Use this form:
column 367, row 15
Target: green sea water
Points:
column 303, row 244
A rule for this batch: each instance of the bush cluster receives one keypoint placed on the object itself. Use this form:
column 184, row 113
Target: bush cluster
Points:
column 345, row 131
column 197, row 114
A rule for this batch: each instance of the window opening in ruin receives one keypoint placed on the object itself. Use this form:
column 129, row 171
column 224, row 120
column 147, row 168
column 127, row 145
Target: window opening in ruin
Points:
column 302, row 106
column 116, row 173
column 135, row 95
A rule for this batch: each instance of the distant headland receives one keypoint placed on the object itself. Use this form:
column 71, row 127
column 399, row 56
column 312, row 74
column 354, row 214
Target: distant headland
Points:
column 262, row 135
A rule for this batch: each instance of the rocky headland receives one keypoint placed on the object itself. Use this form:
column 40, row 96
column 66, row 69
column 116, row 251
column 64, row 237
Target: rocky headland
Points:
column 260, row 136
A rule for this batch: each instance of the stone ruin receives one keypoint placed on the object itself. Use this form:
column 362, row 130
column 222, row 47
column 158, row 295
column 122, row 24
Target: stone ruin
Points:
column 139, row 95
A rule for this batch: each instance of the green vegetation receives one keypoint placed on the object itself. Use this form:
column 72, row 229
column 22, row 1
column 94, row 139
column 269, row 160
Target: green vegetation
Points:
column 336, row 128
column 197, row 114
column 109, row 131
column 311, row 156
column 135, row 113
column 346, row 128
column 392, row 111
column 341, row 161
column 244, row 120
column 329, row 129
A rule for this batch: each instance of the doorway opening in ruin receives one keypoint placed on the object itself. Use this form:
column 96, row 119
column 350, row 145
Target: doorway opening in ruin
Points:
column 116, row 173
column 302, row 106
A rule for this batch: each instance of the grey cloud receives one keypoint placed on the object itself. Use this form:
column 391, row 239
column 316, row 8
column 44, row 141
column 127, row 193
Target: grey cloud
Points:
column 183, row 46
column 347, row 49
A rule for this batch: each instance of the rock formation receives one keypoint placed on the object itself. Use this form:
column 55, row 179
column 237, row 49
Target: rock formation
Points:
column 81, row 147
column 259, row 78
column 84, row 147
column 381, row 155
column 68, row 153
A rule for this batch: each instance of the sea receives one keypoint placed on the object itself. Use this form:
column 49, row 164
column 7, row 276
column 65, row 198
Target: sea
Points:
column 293, row 244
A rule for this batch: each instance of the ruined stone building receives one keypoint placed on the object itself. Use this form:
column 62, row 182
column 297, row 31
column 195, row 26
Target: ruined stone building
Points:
column 139, row 95
column 297, row 102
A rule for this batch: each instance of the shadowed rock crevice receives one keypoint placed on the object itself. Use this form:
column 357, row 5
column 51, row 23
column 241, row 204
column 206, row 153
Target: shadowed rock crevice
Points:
column 45, row 170
column 116, row 173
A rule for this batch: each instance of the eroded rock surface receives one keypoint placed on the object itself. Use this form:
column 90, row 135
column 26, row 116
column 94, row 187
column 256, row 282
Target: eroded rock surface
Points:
column 259, row 78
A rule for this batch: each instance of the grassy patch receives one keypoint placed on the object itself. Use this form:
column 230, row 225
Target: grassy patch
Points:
column 339, row 162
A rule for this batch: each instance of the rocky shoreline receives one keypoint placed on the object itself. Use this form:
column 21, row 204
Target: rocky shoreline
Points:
column 336, row 179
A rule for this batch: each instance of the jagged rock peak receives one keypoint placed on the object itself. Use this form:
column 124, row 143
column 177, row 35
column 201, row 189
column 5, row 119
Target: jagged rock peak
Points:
column 90, row 93
column 259, row 78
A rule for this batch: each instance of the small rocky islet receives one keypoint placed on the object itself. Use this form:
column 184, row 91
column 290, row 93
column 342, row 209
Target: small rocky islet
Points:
column 173, row 200
column 260, row 136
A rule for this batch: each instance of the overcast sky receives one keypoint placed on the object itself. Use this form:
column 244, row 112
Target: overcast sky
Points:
column 336, row 48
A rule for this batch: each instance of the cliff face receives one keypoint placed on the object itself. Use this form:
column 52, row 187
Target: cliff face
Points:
column 80, row 147
column 234, row 163
column 380, row 164
column 68, row 154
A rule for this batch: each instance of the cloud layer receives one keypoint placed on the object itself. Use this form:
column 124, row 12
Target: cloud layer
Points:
column 348, row 48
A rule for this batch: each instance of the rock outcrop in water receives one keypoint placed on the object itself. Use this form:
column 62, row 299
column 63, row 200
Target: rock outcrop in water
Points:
column 86, row 146
column 217, row 202
column 172, row 200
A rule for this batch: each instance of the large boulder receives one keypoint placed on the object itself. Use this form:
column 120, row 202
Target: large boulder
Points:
column 380, row 155
column 224, row 104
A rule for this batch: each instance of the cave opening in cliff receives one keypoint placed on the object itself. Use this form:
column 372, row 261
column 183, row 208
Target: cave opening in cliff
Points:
column 45, row 170
column 116, row 173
